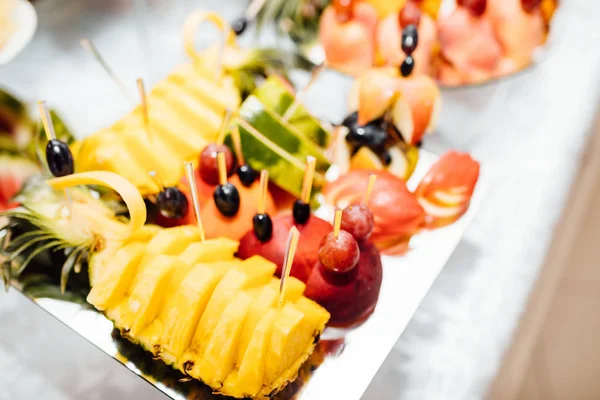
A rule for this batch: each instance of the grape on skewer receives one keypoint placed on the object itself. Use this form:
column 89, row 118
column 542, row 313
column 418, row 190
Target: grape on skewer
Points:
column 226, row 195
column 208, row 166
column 58, row 155
column 410, row 40
column 358, row 220
column 262, row 223
column 301, row 209
column 245, row 172
column 338, row 251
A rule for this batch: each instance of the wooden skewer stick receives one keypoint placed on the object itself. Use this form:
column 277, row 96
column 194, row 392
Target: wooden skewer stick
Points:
column 89, row 46
column 51, row 135
column 254, row 8
column 264, row 184
column 370, row 186
column 307, row 183
column 224, row 125
column 222, row 166
column 237, row 145
column 290, row 253
column 189, row 170
column 337, row 222
column 313, row 78
column 46, row 120
column 144, row 102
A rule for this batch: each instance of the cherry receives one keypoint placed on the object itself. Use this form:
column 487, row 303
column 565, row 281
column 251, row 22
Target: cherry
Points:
column 209, row 170
column 339, row 254
column 59, row 158
column 410, row 14
column 476, row 7
column 343, row 10
column 172, row 203
column 530, row 5
column 358, row 220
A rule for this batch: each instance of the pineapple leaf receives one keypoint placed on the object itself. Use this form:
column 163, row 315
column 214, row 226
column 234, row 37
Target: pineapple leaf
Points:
column 68, row 267
column 6, row 274
column 33, row 254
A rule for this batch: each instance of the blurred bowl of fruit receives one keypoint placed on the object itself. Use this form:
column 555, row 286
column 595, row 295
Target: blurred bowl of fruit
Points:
column 18, row 22
column 458, row 42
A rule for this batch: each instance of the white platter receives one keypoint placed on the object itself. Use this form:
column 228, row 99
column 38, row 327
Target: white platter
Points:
column 346, row 375
column 25, row 20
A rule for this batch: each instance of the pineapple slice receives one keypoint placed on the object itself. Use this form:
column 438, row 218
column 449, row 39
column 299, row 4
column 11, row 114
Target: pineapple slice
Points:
column 191, row 109
column 265, row 299
column 219, row 97
column 248, row 379
column 112, row 283
column 172, row 241
column 292, row 342
column 220, row 355
column 211, row 250
column 136, row 311
column 182, row 137
column 250, row 273
column 144, row 234
column 189, row 304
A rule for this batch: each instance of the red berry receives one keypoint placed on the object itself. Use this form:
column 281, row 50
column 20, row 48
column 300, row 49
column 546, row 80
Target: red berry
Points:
column 209, row 170
column 359, row 221
column 476, row 7
column 343, row 10
column 530, row 5
column 339, row 254
column 410, row 14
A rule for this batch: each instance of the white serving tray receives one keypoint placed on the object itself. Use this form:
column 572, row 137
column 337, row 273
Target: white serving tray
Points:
column 347, row 374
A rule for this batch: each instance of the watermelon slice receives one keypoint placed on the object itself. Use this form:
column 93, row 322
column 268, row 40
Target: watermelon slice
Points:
column 14, row 171
column 278, row 95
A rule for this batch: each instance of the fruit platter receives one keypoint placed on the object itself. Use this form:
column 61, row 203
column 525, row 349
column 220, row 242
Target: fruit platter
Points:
column 220, row 240
column 457, row 42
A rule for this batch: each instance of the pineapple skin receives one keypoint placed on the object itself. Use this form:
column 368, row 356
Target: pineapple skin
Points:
column 150, row 327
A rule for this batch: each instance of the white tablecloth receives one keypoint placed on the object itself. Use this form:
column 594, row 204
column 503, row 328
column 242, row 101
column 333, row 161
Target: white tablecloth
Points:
column 528, row 131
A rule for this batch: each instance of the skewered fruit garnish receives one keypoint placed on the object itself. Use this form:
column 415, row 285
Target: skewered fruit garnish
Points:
column 59, row 158
column 358, row 220
column 397, row 213
column 227, row 199
column 349, row 297
column 349, row 45
column 215, row 319
column 410, row 14
column 278, row 95
column 446, row 191
column 339, row 253
column 209, row 170
column 172, row 203
column 263, row 226
column 274, row 250
column 410, row 39
column 14, row 171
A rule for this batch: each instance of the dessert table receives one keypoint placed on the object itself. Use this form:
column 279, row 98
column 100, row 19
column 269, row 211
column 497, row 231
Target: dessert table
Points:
column 528, row 131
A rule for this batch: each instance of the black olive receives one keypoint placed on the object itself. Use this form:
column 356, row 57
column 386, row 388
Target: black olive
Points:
column 301, row 212
column 59, row 158
column 410, row 39
column 263, row 227
column 227, row 199
column 351, row 120
column 247, row 175
column 407, row 66
column 239, row 25
column 386, row 157
column 172, row 203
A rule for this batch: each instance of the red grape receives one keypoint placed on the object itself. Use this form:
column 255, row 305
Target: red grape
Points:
column 410, row 14
column 209, row 171
column 359, row 221
column 530, row 5
column 339, row 254
column 476, row 7
column 343, row 10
